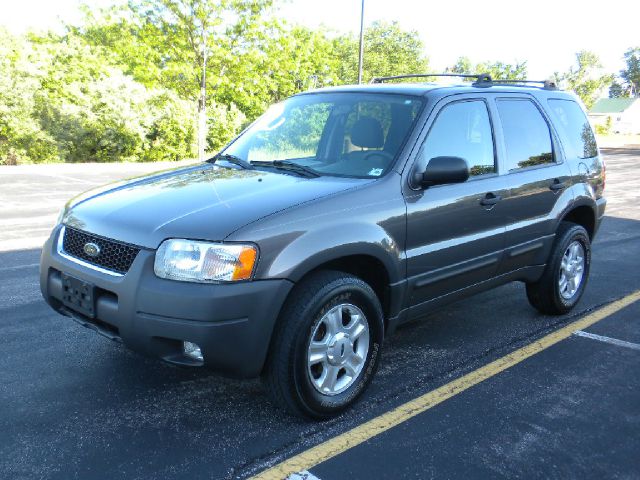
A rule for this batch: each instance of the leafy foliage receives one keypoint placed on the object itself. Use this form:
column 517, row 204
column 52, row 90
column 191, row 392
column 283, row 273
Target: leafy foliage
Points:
column 497, row 70
column 60, row 99
column 21, row 137
column 125, row 83
column 388, row 50
column 618, row 90
column 631, row 74
column 585, row 78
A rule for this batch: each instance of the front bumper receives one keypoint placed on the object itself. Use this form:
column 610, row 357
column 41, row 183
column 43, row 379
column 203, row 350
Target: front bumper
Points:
column 232, row 323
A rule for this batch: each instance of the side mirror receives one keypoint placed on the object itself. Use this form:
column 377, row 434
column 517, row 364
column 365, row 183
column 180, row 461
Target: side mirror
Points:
column 442, row 170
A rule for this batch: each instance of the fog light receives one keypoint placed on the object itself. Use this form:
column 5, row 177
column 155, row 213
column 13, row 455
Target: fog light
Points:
column 193, row 351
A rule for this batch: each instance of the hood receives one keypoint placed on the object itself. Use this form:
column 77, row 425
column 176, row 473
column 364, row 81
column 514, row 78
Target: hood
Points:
column 205, row 202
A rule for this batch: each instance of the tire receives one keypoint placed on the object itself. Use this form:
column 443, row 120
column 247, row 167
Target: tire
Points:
column 313, row 313
column 547, row 294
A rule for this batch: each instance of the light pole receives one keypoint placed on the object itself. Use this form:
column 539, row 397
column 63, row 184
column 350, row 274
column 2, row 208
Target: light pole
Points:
column 202, row 107
column 361, row 44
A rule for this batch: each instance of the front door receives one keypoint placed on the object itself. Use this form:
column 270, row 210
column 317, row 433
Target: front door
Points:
column 456, row 232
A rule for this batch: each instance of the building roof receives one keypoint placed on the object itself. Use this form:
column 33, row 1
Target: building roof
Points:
column 612, row 105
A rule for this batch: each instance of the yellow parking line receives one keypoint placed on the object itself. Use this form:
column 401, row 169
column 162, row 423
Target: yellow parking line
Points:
column 378, row 425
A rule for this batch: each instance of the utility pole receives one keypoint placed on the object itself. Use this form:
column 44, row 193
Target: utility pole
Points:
column 361, row 44
column 202, row 107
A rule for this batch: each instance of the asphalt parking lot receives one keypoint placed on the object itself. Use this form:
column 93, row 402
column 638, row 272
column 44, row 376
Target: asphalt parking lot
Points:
column 74, row 405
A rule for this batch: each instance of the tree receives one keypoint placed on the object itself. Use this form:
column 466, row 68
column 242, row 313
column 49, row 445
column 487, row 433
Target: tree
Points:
column 298, row 59
column 585, row 78
column 249, row 54
column 61, row 99
column 631, row 74
column 388, row 51
column 617, row 90
column 127, row 82
column 21, row 137
column 255, row 62
column 196, row 36
column 497, row 70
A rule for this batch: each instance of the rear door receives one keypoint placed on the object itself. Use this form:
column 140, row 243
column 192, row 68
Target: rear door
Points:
column 455, row 233
column 537, row 175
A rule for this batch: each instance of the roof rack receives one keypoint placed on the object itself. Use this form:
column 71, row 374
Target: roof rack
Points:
column 546, row 84
column 483, row 77
column 481, row 80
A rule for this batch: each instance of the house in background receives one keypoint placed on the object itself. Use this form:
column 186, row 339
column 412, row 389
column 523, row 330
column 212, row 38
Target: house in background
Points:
column 624, row 114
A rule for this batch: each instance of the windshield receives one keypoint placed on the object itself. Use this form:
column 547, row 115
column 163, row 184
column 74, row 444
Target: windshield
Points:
column 342, row 134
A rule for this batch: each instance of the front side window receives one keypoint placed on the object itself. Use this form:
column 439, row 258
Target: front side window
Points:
column 462, row 129
column 581, row 143
column 526, row 134
column 343, row 134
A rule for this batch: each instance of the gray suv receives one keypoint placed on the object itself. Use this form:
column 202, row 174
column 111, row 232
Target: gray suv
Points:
column 338, row 215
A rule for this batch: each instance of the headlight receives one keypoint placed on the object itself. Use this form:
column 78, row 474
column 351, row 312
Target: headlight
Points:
column 193, row 261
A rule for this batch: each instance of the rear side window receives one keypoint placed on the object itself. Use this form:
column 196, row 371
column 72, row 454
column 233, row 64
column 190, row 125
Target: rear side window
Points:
column 462, row 129
column 579, row 139
column 526, row 134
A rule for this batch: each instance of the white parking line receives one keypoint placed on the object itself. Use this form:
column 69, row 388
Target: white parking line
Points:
column 612, row 341
column 51, row 175
column 22, row 221
column 18, row 267
column 31, row 243
column 74, row 179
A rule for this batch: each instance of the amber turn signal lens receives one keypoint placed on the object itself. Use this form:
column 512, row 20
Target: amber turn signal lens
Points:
column 244, row 265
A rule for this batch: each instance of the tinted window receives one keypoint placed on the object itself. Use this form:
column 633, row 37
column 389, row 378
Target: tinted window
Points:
column 462, row 129
column 575, row 128
column 526, row 134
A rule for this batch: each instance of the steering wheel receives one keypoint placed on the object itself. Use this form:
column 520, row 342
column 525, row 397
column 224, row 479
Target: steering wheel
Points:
column 379, row 153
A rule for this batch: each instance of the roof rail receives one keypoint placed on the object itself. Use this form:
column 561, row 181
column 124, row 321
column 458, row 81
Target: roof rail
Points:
column 480, row 77
column 546, row 84
column 481, row 80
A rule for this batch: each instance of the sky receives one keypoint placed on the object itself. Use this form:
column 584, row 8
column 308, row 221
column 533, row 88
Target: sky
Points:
column 544, row 34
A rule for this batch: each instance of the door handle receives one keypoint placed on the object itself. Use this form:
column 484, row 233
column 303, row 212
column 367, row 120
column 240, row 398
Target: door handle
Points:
column 490, row 199
column 557, row 185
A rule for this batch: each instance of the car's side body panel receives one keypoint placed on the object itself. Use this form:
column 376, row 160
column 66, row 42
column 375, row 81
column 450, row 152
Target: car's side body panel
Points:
column 537, row 196
column 368, row 221
column 533, row 212
column 453, row 241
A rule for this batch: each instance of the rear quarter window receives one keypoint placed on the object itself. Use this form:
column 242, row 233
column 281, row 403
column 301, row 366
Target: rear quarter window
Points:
column 579, row 141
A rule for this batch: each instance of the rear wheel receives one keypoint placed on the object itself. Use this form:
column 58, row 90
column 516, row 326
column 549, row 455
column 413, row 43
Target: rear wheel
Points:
column 566, row 274
column 327, row 345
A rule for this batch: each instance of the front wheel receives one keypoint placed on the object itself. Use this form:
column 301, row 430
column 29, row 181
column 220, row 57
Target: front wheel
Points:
column 327, row 346
column 566, row 274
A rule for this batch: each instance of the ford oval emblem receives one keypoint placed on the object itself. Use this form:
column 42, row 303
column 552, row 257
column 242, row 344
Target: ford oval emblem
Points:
column 91, row 249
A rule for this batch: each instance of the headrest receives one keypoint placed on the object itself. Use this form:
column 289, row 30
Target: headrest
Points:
column 367, row 133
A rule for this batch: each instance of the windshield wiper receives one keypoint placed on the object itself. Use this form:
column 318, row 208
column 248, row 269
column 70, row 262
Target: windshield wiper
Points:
column 232, row 159
column 302, row 170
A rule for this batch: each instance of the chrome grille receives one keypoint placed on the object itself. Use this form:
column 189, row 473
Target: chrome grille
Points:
column 115, row 256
